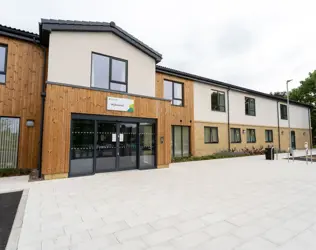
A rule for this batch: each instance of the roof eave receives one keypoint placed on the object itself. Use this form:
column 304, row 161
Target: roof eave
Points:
column 18, row 34
column 102, row 28
column 204, row 80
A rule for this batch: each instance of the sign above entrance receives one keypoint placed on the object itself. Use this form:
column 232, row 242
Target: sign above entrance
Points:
column 120, row 104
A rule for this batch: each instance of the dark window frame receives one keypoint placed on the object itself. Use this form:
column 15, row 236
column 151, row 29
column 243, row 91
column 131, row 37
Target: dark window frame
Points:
column 283, row 107
column 173, row 144
column 173, row 98
column 218, row 93
column 265, row 137
column 110, row 72
column 254, row 130
column 251, row 111
column 5, row 46
column 234, row 129
column 211, row 142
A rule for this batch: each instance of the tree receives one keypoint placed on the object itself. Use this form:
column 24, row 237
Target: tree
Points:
column 306, row 93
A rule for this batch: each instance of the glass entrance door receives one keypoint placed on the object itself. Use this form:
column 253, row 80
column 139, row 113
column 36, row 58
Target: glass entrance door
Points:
column 106, row 139
column 99, row 144
column 127, row 146
column 82, row 147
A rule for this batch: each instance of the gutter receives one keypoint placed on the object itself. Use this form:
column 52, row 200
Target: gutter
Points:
column 279, row 138
column 43, row 97
column 228, row 120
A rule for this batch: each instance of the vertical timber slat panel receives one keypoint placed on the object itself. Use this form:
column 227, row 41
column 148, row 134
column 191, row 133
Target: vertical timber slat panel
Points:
column 62, row 101
column 20, row 96
column 182, row 116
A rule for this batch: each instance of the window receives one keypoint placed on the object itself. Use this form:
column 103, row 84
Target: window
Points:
column 251, row 135
column 174, row 92
column 9, row 142
column 3, row 62
column 109, row 73
column 235, row 135
column 269, row 135
column 180, row 141
column 283, row 111
column 250, row 106
column 210, row 135
column 218, row 101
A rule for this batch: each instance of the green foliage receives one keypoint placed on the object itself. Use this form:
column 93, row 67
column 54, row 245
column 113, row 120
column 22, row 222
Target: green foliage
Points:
column 222, row 154
column 14, row 172
column 306, row 93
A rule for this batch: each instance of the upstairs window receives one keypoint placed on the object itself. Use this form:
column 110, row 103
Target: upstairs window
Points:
column 3, row 62
column 210, row 135
column 251, row 135
column 235, row 135
column 174, row 92
column 283, row 111
column 218, row 101
column 109, row 73
column 250, row 106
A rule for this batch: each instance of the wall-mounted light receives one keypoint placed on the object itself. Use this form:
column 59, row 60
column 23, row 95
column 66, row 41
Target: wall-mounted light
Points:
column 30, row 123
column 162, row 139
column 243, row 131
column 282, row 132
column 304, row 133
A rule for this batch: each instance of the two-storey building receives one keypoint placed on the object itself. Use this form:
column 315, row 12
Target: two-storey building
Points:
column 88, row 97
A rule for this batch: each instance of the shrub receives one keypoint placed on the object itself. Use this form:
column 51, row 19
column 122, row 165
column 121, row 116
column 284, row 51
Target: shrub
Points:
column 222, row 154
column 14, row 172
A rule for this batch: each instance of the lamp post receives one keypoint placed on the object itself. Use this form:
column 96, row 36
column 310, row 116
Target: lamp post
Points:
column 288, row 116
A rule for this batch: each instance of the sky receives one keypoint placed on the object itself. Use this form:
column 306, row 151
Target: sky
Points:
column 256, row 44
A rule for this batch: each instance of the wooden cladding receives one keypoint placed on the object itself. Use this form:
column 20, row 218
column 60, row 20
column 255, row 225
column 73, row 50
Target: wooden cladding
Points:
column 62, row 101
column 20, row 96
column 180, row 115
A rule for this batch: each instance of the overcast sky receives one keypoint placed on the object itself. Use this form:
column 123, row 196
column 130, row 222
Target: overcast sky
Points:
column 256, row 44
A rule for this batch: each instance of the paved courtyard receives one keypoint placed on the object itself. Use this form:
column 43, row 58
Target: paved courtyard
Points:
column 243, row 204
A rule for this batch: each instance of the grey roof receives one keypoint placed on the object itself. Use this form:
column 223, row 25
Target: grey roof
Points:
column 69, row 25
column 209, row 81
column 18, row 34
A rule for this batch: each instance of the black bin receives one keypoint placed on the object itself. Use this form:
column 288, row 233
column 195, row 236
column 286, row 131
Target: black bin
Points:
column 269, row 153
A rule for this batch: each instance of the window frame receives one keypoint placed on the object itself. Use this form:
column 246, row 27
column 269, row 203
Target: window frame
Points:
column 5, row 46
column 239, row 134
column 218, row 92
column 282, row 116
column 251, row 129
column 247, row 103
column 211, row 142
column 265, row 137
column 173, row 144
column 173, row 98
column 110, row 72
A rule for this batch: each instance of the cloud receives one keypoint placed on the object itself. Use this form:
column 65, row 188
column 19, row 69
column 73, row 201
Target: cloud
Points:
column 256, row 44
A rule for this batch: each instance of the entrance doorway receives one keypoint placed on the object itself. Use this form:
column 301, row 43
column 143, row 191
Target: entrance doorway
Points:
column 293, row 140
column 103, row 143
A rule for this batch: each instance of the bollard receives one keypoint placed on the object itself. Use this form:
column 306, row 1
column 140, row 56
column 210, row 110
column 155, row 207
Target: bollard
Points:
column 306, row 151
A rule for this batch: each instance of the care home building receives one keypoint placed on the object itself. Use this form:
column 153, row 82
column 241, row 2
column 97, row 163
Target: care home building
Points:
column 86, row 97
